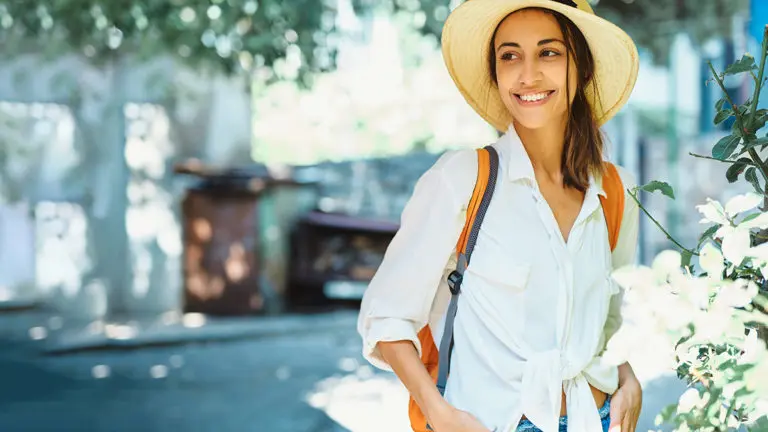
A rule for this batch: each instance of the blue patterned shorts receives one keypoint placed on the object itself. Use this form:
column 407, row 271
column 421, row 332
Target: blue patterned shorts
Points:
column 605, row 417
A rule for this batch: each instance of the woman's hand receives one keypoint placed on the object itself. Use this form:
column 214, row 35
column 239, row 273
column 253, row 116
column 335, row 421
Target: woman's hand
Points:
column 458, row 421
column 626, row 402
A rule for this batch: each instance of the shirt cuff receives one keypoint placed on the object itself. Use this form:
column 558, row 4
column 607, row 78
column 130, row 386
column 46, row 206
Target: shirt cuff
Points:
column 602, row 375
column 387, row 330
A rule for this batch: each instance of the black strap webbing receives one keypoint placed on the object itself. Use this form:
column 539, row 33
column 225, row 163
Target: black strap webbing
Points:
column 455, row 279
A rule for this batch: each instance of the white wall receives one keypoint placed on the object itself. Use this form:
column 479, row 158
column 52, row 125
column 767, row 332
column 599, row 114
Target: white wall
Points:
column 202, row 116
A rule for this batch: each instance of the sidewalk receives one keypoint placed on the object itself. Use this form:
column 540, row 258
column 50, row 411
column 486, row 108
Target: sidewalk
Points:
column 259, row 379
column 55, row 335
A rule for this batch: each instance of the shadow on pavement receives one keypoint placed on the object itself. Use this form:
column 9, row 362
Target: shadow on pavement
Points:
column 657, row 394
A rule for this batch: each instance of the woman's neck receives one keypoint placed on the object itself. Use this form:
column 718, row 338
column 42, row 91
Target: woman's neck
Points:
column 545, row 149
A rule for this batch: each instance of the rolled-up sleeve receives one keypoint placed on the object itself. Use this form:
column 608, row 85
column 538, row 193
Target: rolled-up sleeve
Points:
column 396, row 304
column 625, row 252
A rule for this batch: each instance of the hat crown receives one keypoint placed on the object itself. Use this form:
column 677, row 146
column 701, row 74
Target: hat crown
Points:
column 580, row 4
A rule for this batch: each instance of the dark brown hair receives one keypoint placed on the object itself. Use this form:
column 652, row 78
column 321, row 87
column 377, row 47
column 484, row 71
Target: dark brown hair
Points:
column 583, row 147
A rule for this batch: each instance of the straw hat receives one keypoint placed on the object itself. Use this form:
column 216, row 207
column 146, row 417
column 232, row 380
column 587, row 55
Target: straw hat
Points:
column 467, row 35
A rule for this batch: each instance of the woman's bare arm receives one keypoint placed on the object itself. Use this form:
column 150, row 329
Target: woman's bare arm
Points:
column 405, row 362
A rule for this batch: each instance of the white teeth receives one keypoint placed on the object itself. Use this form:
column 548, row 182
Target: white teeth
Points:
column 534, row 97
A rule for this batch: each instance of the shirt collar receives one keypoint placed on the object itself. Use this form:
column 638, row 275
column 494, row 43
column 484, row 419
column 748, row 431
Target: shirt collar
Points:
column 519, row 165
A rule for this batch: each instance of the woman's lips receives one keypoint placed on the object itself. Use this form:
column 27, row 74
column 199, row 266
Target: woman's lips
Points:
column 534, row 99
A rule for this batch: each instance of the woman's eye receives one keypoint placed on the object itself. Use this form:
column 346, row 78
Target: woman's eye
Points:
column 508, row 56
column 549, row 53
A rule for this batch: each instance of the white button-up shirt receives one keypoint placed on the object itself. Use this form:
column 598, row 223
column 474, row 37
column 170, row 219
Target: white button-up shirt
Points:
column 535, row 312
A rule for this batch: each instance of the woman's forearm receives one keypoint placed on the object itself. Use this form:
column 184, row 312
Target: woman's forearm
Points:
column 405, row 362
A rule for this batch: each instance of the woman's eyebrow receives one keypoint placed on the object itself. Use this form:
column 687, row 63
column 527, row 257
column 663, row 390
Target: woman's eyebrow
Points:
column 541, row 42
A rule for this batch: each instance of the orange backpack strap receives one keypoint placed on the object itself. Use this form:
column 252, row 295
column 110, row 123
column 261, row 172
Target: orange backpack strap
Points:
column 437, row 361
column 613, row 202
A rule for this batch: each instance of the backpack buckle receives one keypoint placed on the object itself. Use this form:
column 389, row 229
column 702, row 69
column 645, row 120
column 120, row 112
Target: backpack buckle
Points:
column 454, row 282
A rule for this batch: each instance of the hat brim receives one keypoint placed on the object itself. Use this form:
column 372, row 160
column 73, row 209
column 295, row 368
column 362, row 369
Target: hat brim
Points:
column 467, row 35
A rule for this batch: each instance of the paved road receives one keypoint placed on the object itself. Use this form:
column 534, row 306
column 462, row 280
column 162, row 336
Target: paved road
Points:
column 247, row 385
column 313, row 382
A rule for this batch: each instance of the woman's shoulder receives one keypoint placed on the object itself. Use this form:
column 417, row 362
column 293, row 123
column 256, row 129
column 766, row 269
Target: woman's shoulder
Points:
column 628, row 183
column 458, row 159
column 628, row 179
column 458, row 170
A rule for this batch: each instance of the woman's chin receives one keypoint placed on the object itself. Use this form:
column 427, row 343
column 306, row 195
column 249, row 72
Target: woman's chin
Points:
column 533, row 122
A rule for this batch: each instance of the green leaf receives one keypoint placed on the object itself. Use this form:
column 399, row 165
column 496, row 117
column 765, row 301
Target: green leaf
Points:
column 751, row 176
column 722, row 116
column 720, row 104
column 734, row 171
column 667, row 413
column 737, row 132
column 756, row 143
column 660, row 186
column 760, row 424
column 749, row 217
column 725, row 147
column 746, row 64
column 686, row 258
column 727, row 365
column 761, row 118
column 744, row 109
column 708, row 234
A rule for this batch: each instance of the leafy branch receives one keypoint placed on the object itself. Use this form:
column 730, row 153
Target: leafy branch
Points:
column 667, row 190
column 759, row 79
column 718, row 361
column 731, row 161
column 728, row 144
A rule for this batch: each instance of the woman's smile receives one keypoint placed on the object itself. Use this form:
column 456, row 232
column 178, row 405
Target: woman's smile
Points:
column 531, row 99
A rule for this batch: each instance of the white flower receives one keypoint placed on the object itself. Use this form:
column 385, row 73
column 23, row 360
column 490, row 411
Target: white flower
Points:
column 761, row 407
column 629, row 277
column 713, row 212
column 754, row 348
column 711, row 260
column 731, row 388
column 759, row 251
column 688, row 401
column 713, row 324
column 666, row 263
column 736, row 246
column 699, row 298
column 676, row 313
column 737, row 294
column 756, row 378
column 724, row 230
column 742, row 203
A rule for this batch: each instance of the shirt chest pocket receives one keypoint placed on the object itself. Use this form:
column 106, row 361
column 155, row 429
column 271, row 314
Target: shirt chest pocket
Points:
column 491, row 267
column 496, row 288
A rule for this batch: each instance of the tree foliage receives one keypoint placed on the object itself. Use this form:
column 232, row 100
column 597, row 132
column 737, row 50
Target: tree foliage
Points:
column 653, row 23
column 225, row 35
column 290, row 38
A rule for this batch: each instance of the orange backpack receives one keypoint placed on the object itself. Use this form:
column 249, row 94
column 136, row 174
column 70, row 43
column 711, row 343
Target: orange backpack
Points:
column 437, row 361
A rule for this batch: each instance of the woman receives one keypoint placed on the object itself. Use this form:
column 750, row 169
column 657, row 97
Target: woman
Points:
column 537, row 303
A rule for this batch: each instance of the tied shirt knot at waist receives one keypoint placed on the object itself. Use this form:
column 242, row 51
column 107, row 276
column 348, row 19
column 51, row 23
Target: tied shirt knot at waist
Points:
column 546, row 375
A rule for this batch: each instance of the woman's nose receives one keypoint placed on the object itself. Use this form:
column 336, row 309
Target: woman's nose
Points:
column 530, row 73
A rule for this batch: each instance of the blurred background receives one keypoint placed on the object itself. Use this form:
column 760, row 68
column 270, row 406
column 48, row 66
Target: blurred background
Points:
column 194, row 193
